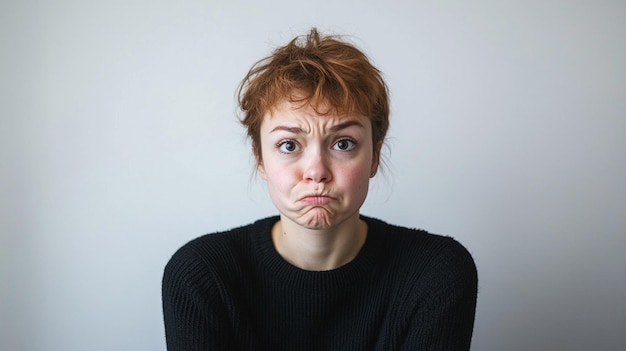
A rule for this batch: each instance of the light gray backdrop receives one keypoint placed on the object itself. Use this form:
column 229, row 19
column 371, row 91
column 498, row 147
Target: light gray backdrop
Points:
column 119, row 142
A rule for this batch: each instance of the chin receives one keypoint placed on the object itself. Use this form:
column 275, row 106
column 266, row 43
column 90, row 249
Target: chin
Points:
column 318, row 222
column 321, row 218
column 317, row 218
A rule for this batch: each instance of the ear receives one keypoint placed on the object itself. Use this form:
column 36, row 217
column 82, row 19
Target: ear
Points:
column 256, row 151
column 376, row 159
column 261, row 169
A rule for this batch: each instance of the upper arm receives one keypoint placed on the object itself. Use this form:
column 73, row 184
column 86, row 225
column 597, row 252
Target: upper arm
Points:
column 194, row 317
column 444, row 313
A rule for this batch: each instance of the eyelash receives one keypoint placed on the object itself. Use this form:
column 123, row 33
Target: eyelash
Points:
column 349, row 140
column 283, row 143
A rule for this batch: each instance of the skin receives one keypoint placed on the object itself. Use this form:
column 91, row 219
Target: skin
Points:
column 317, row 169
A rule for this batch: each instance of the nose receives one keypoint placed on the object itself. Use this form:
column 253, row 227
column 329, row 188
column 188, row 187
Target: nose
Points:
column 317, row 168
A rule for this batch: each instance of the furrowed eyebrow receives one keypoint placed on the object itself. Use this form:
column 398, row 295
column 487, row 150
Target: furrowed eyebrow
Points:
column 294, row 130
column 335, row 128
column 346, row 124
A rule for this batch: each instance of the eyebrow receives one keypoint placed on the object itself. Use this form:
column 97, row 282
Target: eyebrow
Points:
column 335, row 128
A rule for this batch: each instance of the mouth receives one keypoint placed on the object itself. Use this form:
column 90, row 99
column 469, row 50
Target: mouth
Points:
column 317, row 199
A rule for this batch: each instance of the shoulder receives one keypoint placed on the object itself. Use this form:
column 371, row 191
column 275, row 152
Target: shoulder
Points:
column 421, row 253
column 413, row 239
column 219, row 252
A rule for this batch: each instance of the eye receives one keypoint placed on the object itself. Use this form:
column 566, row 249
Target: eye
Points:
column 344, row 145
column 287, row 146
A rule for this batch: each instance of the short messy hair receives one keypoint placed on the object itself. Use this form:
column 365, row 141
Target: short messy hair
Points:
column 319, row 71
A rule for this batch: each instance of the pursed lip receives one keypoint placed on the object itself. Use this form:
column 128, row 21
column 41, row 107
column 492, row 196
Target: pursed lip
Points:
column 317, row 199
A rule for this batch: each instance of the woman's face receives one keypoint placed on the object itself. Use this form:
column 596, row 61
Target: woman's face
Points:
column 317, row 167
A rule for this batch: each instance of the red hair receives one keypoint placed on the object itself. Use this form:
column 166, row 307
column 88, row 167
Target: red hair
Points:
column 319, row 71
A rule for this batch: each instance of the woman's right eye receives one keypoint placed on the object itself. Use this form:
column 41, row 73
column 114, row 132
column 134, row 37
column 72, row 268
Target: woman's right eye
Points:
column 288, row 146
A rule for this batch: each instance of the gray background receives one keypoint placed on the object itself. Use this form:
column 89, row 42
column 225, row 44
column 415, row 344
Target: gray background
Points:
column 119, row 142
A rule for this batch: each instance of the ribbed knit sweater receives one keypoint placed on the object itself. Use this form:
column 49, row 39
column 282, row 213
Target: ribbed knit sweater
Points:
column 405, row 290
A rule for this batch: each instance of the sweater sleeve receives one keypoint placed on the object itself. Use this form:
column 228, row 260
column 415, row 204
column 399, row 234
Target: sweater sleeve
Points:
column 194, row 317
column 444, row 313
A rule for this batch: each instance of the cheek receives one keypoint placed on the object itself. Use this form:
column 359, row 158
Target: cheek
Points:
column 279, row 179
column 357, row 178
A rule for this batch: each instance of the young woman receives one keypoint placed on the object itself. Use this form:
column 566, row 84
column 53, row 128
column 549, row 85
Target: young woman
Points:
column 318, row 276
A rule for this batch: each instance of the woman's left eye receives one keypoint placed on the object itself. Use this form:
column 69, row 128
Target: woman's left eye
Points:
column 344, row 145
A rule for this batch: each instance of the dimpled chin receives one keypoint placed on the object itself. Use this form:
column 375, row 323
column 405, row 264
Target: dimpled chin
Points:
column 317, row 218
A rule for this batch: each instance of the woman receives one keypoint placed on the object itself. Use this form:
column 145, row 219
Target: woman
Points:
column 319, row 276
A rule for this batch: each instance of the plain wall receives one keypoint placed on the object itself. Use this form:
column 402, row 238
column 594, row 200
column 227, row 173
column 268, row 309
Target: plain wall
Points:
column 119, row 142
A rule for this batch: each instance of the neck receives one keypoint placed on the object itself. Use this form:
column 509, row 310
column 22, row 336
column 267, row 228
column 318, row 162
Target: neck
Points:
column 319, row 249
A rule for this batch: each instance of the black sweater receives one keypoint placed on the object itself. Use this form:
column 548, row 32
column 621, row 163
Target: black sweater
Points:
column 406, row 290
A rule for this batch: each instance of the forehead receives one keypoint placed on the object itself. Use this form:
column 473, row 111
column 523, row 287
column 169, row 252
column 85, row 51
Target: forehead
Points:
column 303, row 113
